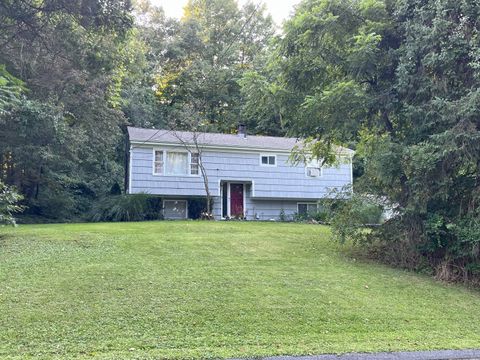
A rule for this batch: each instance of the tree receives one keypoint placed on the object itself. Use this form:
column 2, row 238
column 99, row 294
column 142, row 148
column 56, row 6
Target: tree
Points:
column 399, row 80
column 60, row 140
column 211, row 48
column 9, row 199
column 191, row 141
column 11, row 89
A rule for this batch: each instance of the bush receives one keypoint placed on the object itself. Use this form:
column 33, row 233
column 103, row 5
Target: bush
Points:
column 351, row 214
column 9, row 199
column 197, row 208
column 132, row 207
column 322, row 215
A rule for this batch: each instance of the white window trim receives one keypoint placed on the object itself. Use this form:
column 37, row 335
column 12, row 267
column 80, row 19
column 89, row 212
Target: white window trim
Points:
column 153, row 162
column 165, row 151
column 177, row 200
column 306, row 203
column 267, row 155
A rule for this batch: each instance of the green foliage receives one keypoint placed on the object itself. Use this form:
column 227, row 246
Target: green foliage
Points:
column 327, row 64
column 351, row 214
column 134, row 207
column 60, row 143
column 205, row 57
column 197, row 208
column 115, row 189
column 9, row 200
column 400, row 81
column 262, row 110
column 10, row 89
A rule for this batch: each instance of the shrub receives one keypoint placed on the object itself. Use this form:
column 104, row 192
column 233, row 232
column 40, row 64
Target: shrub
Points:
column 115, row 189
column 197, row 208
column 351, row 214
column 132, row 207
column 322, row 215
column 9, row 199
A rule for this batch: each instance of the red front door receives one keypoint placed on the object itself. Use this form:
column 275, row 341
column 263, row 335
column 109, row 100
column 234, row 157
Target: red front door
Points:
column 236, row 200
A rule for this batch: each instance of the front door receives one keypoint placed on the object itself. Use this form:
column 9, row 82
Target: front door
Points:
column 236, row 200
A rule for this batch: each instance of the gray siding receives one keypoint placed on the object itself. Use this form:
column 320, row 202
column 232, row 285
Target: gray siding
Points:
column 283, row 181
column 270, row 209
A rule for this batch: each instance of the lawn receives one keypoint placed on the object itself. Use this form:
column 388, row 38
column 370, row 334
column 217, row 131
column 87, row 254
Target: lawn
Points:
column 213, row 290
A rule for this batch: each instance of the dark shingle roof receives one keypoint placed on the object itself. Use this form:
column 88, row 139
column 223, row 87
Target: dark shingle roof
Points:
column 140, row 135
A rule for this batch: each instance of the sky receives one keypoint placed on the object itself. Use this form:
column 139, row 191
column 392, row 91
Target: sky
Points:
column 279, row 9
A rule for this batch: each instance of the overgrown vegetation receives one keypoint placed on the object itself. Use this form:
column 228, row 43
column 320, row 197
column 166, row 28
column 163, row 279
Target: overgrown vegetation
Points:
column 398, row 80
column 135, row 207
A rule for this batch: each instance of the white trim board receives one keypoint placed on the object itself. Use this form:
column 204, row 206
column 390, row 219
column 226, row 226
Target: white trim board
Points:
column 343, row 151
column 130, row 170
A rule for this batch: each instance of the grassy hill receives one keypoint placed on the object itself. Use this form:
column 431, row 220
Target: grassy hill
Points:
column 213, row 289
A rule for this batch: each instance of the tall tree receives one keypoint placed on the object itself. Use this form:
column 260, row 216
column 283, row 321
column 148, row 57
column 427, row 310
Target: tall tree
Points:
column 400, row 79
column 58, row 145
column 215, row 43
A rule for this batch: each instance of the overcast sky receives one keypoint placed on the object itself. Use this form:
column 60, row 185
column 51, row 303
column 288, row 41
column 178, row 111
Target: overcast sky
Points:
column 279, row 9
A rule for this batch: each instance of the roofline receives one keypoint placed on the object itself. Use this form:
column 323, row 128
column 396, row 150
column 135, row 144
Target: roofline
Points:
column 343, row 151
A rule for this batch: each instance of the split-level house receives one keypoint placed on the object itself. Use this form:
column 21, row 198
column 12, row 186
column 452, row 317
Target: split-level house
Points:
column 250, row 177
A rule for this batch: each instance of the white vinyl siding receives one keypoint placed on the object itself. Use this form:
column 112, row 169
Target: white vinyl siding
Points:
column 284, row 181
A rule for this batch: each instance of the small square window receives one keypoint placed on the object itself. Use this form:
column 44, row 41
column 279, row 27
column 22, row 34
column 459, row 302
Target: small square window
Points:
column 302, row 209
column 269, row 160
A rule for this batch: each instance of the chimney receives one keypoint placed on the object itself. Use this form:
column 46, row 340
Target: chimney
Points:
column 242, row 130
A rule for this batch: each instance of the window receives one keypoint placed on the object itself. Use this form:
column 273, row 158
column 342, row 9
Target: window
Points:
column 177, row 163
column 268, row 160
column 175, row 209
column 158, row 162
column 306, row 208
column 194, row 164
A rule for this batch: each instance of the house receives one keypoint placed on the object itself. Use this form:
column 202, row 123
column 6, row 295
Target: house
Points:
column 248, row 176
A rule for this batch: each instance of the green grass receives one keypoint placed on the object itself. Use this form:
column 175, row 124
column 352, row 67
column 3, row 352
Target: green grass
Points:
column 211, row 290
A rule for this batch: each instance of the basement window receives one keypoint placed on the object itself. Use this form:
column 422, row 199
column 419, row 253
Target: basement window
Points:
column 175, row 209
column 305, row 209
